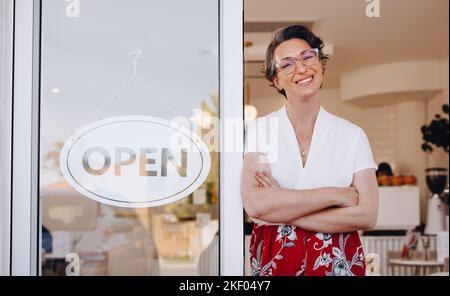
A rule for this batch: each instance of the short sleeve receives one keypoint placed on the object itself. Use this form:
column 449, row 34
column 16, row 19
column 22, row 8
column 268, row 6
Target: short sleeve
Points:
column 257, row 138
column 250, row 139
column 363, row 153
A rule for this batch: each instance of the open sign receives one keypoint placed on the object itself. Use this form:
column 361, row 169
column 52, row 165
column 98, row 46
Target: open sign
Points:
column 135, row 161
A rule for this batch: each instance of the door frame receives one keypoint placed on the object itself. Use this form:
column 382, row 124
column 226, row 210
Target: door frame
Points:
column 6, row 103
column 25, row 144
column 231, row 106
column 24, row 238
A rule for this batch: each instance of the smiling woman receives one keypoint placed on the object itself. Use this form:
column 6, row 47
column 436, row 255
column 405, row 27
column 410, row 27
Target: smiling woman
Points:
column 320, row 189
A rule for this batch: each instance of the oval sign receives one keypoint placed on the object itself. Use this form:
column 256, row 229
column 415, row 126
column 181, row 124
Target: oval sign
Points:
column 135, row 161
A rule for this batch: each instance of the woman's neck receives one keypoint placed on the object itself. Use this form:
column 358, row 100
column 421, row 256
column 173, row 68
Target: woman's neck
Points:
column 303, row 114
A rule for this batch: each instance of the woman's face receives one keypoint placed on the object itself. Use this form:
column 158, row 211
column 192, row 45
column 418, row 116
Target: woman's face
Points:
column 304, row 82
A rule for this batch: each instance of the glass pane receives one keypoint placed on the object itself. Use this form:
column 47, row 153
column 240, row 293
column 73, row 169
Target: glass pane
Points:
column 116, row 198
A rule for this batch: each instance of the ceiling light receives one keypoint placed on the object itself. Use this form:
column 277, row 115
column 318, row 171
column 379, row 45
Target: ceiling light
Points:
column 250, row 112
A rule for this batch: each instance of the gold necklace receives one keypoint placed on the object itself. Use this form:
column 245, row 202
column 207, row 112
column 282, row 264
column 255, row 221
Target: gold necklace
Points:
column 303, row 151
column 308, row 137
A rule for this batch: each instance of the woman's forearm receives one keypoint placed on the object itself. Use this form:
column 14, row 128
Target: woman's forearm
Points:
column 337, row 220
column 360, row 217
column 279, row 205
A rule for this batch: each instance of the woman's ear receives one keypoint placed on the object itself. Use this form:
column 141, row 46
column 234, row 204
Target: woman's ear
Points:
column 277, row 84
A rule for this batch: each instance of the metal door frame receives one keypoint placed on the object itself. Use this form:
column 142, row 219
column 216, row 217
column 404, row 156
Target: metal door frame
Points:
column 6, row 105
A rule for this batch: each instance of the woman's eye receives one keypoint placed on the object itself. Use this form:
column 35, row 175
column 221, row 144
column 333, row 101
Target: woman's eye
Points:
column 287, row 64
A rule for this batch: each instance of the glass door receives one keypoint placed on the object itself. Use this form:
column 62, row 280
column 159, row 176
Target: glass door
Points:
column 130, row 177
column 116, row 196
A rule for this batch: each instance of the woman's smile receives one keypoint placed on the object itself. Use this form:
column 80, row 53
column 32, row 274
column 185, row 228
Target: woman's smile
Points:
column 305, row 81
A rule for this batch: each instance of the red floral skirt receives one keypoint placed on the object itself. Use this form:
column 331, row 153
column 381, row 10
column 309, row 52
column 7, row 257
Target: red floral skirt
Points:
column 285, row 250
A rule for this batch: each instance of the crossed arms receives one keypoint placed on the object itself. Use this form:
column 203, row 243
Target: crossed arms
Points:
column 327, row 209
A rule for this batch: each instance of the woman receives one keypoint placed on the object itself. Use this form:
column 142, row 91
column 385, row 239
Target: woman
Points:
column 310, row 182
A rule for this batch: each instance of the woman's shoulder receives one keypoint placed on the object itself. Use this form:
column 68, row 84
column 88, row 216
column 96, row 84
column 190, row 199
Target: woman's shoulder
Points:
column 344, row 126
column 266, row 119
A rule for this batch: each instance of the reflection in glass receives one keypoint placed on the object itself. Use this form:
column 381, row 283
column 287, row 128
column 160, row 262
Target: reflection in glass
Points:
column 134, row 57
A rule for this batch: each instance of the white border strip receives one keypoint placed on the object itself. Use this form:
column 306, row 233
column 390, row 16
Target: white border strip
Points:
column 25, row 123
column 6, row 96
column 35, row 205
column 231, row 105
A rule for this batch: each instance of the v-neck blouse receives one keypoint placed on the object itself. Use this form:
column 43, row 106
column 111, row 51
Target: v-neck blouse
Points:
column 337, row 151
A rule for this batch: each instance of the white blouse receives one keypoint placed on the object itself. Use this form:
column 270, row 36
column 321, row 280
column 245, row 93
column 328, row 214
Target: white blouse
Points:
column 337, row 151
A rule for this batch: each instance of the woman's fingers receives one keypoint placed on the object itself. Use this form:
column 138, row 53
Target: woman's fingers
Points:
column 262, row 179
column 266, row 179
column 259, row 183
column 271, row 179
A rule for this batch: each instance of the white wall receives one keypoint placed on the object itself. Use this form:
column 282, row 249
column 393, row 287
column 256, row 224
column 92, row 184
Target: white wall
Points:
column 391, row 78
column 439, row 157
column 409, row 117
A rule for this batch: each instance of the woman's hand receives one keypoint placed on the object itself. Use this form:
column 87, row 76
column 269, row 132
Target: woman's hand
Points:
column 265, row 179
column 348, row 196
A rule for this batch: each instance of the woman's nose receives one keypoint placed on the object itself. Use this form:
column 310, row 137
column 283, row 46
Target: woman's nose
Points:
column 300, row 68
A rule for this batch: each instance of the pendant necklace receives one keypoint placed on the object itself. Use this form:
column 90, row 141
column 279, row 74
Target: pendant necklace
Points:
column 303, row 151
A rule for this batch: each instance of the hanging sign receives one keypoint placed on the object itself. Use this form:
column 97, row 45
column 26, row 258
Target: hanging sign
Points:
column 135, row 161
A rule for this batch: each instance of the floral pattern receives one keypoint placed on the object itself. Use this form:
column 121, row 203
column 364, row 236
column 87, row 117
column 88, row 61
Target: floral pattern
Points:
column 286, row 236
column 286, row 231
column 342, row 267
column 289, row 250
column 326, row 239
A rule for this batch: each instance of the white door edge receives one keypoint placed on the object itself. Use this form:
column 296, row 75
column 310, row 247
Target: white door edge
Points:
column 6, row 101
column 231, row 105
column 24, row 236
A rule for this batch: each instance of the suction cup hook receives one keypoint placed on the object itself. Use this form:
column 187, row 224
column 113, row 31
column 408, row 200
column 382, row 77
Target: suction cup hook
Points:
column 134, row 54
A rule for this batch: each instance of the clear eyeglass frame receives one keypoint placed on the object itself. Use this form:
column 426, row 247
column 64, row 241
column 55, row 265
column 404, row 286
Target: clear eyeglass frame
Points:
column 307, row 58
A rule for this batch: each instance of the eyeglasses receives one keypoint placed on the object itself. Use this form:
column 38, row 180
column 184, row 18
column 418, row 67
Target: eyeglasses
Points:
column 308, row 58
